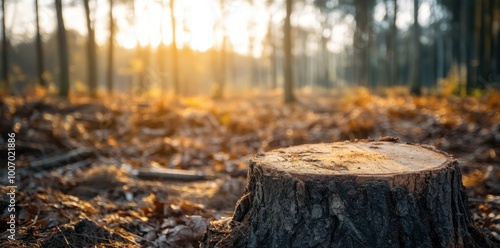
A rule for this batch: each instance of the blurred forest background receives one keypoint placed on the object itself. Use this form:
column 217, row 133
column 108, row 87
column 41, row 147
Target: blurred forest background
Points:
column 134, row 120
column 212, row 46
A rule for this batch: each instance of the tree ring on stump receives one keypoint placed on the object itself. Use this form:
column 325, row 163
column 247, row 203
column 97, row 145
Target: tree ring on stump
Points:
column 351, row 194
column 353, row 158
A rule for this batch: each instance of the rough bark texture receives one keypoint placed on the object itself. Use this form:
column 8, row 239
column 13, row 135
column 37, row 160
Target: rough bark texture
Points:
column 350, row 194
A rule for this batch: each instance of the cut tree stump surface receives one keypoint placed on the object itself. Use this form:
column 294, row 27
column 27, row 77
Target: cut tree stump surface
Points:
column 350, row 194
column 353, row 158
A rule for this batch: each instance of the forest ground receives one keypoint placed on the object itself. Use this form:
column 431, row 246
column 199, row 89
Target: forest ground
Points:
column 93, row 196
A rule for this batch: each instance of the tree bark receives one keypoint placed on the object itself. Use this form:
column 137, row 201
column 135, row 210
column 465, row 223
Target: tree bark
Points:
column 351, row 194
column 63, row 52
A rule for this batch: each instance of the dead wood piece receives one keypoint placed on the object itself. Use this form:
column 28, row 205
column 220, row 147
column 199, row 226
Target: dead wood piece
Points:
column 28, row 148
column 238, row 172
column 351, row 194
column 72, row 156
column 171, row 174
column 494, row 201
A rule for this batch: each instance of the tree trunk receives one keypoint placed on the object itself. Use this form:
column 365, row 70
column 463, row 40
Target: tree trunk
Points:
column 289, row 97
column 91, row 53
column 5, row 51
column 415, row 77
column 221, row 64
column 463, row 38
column 495, row 63
column 272, row 55
column 485, row 43
column 360, row 42
column 391, row 46
column 254, row 74
column 110, row 72
column 388, row 49
column 351, row 194
column 63, row 52
column 394, row 30
column 39, row 49
column 160, row 51
column 325, row 63
column 441, row 53
column 144, row 55
column 472, row 12
column 175, row 60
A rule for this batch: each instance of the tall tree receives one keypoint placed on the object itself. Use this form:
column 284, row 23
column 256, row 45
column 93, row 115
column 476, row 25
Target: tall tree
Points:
column 463, row 65
column 272, row 53
column 39, row 49
column 220, row 64
column 91, row 52
column 474, row 46
column 415, row 77
column 271, row 44
column 288, row 94
column 110, row 69
column 361, row 39
column 5, row 56
column 63, row 52
column 391, row 44
column 486, row 41
column 220, row 57
column 495, row 61
column 394, row 43
column 144, row 55
column 161, row 50
column 175, row 59
column 254, row 74
column 486, row 37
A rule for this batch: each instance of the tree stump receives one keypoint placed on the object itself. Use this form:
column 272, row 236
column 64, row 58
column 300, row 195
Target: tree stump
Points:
column 350, row 194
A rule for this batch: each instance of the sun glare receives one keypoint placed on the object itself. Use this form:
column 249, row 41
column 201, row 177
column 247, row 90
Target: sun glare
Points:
column 201, row 22
column 196, row 22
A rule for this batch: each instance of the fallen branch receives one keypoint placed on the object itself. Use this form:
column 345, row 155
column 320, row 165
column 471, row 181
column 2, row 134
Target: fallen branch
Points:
column 494, row 201
column 172, row 174
column 238, row 173
column 67, row 158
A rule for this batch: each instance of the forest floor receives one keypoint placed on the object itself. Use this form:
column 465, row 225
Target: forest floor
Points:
column 79, row 162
